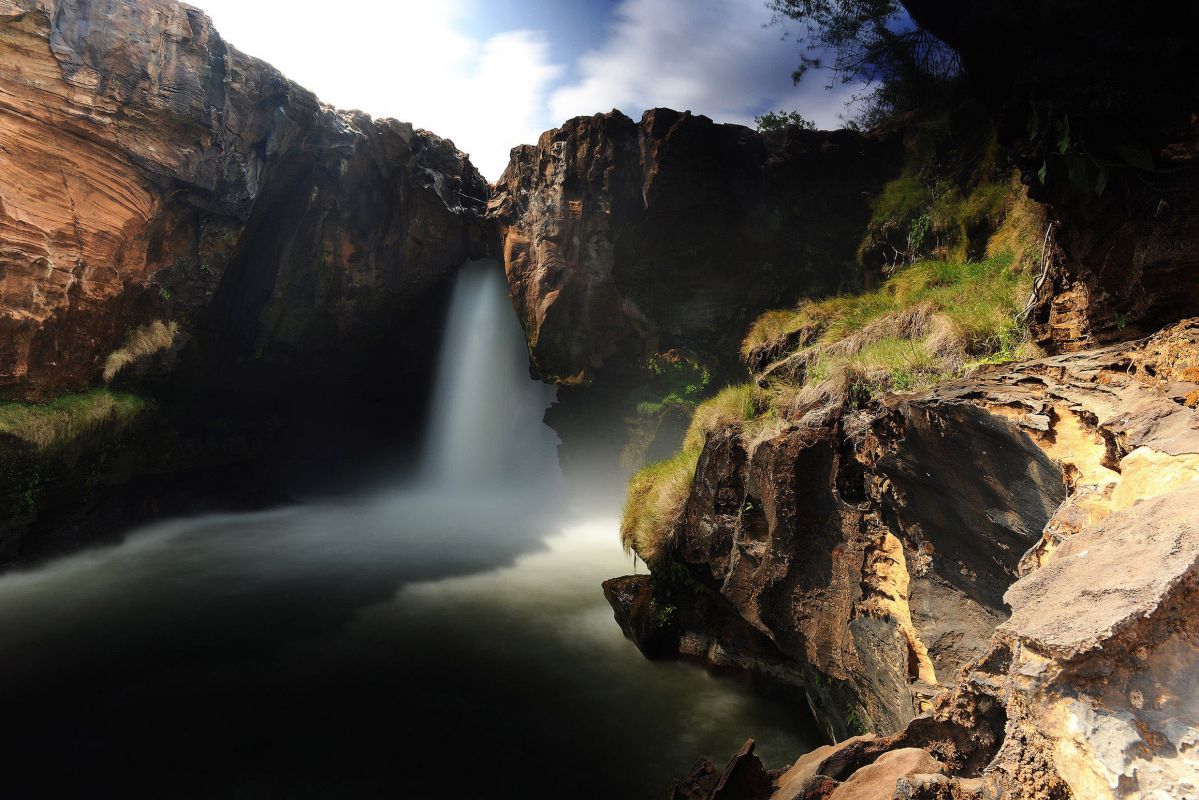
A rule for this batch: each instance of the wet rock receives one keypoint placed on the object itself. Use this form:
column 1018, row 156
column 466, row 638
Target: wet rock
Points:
column 743, row 778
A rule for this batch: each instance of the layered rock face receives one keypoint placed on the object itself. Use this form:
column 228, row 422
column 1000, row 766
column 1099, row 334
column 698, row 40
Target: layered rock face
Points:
column 150, row 171
column 623, row 239
column 1097, row 102
column 181, row 222
column 879, row 551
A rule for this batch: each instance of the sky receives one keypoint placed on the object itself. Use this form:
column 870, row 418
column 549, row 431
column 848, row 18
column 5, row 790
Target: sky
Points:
column 492, row 74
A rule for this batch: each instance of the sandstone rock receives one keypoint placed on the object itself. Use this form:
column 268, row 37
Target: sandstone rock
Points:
column 861, row 542
column 1123, row 569
column 813, row 770
column 620, row 237
column 150, row 171
column 878, row 780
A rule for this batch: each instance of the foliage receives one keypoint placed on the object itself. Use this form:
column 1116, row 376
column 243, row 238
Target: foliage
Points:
column 53, row 425
column 932, row 320
column 657, row 493
column 875, row 43
column 853, row 722
column 777, row 121
column 953, row 191
column 1067, row 153
column 674, row 379
column 140, row 343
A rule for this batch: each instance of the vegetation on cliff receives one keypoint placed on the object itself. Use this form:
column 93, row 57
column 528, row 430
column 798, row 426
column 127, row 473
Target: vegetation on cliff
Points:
column 142, row 342
column 658, row 491
column 959, row 244
column 61, row 442
column 932, row 321
column 55, row 424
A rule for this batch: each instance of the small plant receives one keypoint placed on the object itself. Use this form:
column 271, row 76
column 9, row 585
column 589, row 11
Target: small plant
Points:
column 853, row 722
column 666, row 615
column 675, row 380
column 778, row 120
column 141, row 342
column 918, row 231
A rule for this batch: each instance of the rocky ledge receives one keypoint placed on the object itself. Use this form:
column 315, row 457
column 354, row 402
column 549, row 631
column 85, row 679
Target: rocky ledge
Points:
column 1000, row 573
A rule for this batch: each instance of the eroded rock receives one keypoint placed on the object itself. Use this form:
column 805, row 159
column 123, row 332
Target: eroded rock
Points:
column 862, row 542
column 623, row 238
column 152, row 172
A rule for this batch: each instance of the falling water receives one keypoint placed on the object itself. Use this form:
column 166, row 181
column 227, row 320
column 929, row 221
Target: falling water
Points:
column 440, row 640
column 486, row 427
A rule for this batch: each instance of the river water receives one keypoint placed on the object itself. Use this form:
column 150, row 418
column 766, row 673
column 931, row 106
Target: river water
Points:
column 446, row 638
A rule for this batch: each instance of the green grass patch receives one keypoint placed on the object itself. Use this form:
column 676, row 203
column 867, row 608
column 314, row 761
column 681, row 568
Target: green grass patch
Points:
column 931, row 321
column 55, row 424
column 657, row 493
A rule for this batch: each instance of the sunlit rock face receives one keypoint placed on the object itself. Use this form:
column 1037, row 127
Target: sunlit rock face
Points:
column 150, row 171
column 1001, row 571
column 623, row 238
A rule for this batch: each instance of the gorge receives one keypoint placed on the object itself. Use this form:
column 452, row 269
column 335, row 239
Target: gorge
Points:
column 910, row 415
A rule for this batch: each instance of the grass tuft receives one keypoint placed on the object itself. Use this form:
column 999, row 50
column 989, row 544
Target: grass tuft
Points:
column 55, row 424
column 140, row 343
column 657, row 493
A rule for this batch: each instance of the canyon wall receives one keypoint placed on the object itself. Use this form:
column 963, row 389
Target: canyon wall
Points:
column 625, row 240
column 151, row 171
column 259, row 276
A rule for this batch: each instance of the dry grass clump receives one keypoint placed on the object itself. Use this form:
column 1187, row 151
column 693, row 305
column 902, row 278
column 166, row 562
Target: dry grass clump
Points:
column 141, row 342
column 1021, row 234
column 932, row 320
column 50, row 426
column 657, row 493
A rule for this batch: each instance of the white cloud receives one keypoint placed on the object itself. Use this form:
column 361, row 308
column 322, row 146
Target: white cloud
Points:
column 406, row 59
column 719, row 58
column 412, row 60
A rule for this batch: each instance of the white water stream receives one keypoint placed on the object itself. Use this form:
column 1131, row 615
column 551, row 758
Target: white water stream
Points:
column 447, row 639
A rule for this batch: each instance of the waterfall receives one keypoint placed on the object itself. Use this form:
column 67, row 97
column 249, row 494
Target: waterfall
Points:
column 486, row 428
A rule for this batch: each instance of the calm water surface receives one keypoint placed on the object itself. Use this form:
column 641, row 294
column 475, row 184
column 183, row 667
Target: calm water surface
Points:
column 444, row 640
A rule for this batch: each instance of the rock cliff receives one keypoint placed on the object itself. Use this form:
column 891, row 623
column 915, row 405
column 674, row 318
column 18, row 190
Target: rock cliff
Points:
column 181, row 223
column 623, row 239
column 871, row 556
column 151, row 171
